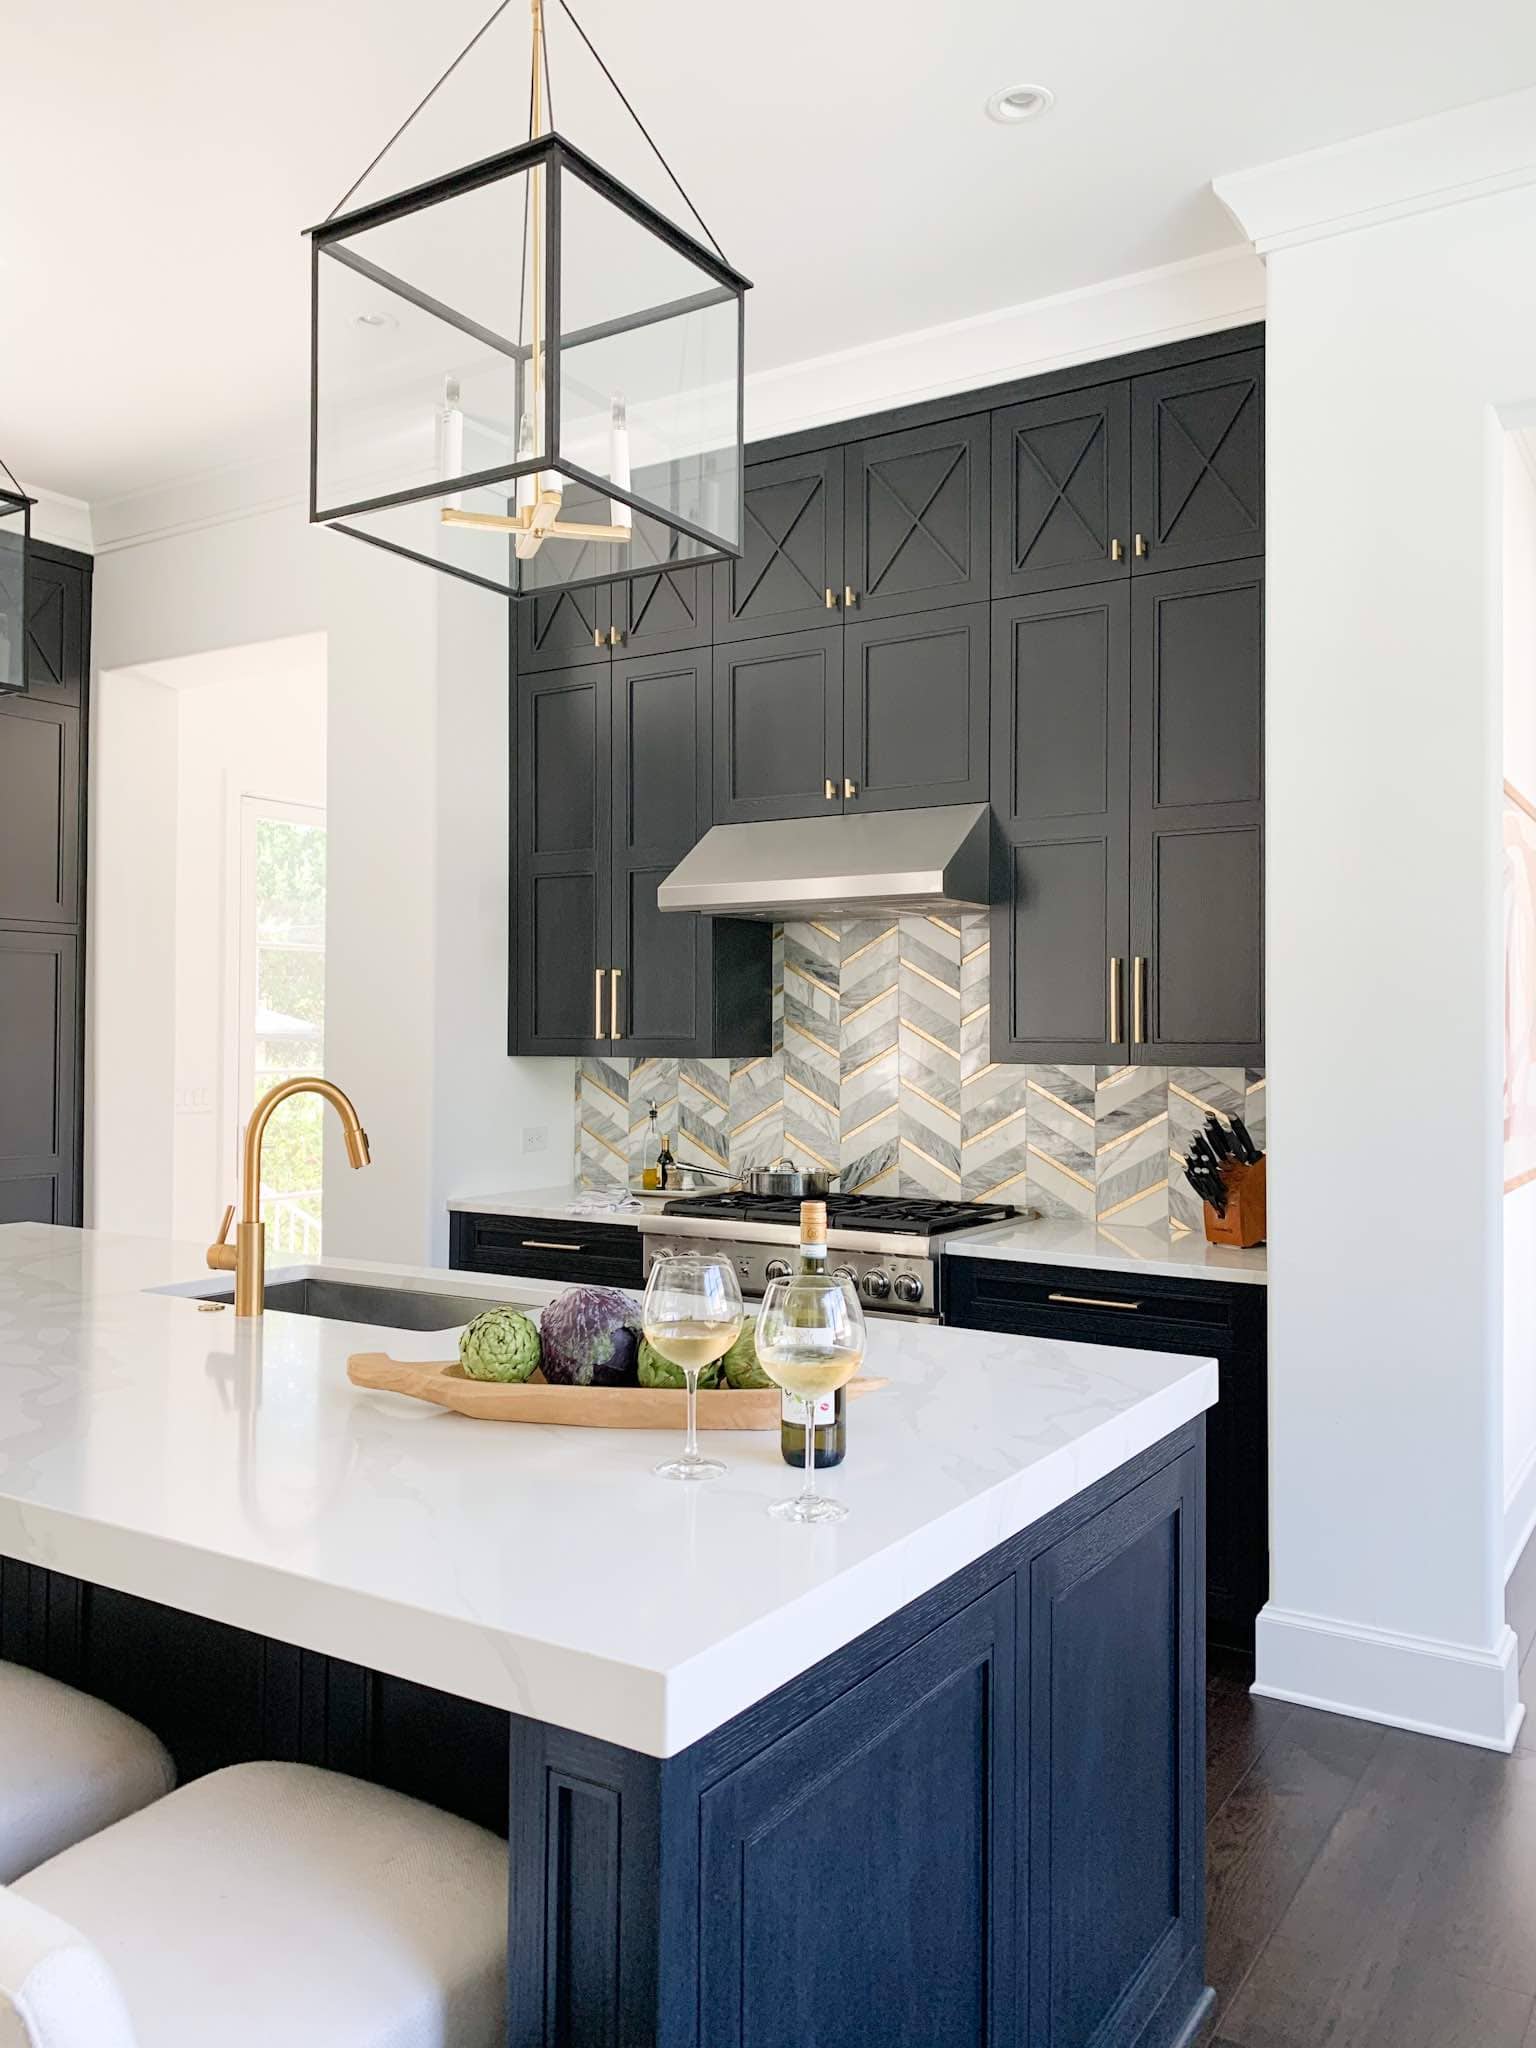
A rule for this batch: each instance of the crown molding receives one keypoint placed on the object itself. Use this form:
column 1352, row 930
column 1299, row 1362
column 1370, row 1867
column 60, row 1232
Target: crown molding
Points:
column 60, row 521
column 1466, row 153
column 1141, row 310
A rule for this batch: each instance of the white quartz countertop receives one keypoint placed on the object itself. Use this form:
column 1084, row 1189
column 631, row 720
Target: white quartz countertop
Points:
column 232, row 1470
column 1042, row 1240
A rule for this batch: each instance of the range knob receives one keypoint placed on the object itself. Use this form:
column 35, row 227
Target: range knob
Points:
column 908, row 1287
column 877, row 1285
column 777, row 1269
column 846, row 1273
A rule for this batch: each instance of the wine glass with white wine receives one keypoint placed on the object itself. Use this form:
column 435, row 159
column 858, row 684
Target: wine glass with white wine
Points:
column 692, row 1316
column 810, row 1341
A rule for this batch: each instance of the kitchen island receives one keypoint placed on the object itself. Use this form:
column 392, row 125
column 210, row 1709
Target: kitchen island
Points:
column 930, row 1776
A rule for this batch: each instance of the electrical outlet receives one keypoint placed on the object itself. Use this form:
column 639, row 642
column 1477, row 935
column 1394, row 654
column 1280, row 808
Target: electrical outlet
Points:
column 535, row 1137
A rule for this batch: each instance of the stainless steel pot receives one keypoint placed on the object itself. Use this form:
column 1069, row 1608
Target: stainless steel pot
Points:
column 783, row 1177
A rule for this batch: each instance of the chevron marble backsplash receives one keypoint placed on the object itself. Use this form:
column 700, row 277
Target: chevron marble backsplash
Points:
column 880, row 1072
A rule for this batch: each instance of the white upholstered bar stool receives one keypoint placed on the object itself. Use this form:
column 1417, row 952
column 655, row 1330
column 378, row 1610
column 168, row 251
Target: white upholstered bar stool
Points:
column 266, row 1906
column 69, row 1765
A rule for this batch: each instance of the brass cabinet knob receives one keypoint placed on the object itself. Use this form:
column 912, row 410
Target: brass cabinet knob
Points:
column 850, row 596
column 1142, row 549
column 850, row 788
column 831, row 790
column 615, row 637
column 597, row 636
column 1117, row 551
column 831, row 600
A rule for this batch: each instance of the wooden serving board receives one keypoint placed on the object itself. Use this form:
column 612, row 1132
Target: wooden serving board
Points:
column 445, row 1383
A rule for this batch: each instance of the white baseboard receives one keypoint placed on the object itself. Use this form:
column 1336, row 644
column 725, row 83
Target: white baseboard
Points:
column 1451, row 1690
column 1520, row 1512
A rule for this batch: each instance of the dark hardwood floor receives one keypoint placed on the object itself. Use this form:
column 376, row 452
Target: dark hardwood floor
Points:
column 1369, row 1888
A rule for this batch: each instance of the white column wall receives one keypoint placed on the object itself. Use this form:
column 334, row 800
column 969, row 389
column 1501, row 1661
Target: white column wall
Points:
column 1389, row 349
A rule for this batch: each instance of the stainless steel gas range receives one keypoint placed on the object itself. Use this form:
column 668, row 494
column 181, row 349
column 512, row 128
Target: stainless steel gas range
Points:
column 884, row 1243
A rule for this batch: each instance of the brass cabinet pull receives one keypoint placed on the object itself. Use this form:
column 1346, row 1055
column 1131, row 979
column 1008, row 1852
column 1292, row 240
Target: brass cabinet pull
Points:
column 850, row 596
column 850, row 788
column 548, row 1244
column 615, row 637
column 597, row 1002
column 1141, row 547
column 1139, row 1000
column 831, row 788
column 1116, row 1003
column 1090, row 1301
column 1117, row 551
column 613, row 1001
column 597, row 636
column 831, row 600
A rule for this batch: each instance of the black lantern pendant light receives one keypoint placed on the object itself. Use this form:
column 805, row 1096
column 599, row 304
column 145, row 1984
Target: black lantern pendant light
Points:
column 15, row 549
column 522, row 372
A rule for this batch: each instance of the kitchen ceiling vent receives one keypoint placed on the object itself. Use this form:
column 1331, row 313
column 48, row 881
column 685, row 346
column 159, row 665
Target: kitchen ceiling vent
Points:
column 15, row 553
column 522, row 372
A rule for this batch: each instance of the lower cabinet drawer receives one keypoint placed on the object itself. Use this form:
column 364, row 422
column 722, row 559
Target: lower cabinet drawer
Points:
column 547, row 1248
column 1094, row 1308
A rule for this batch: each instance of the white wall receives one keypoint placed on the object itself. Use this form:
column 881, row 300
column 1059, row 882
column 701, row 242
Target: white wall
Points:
column 398, row 1050
column 1519, row 663
column 1393, row 334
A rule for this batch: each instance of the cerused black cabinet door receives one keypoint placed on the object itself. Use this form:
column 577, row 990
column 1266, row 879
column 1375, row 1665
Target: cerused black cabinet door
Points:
column 1060, row 782
column 559, row 628
column 558, row 1002
column 1061, row 491
column 918, row 519
column 874, row 1902
column 1197, row 808
column 679, row 984
column 58, row 628
column 40, row 879
column 664, row 611
column 39, row 1075
column 1197, row 458
column 915, row 710
column 778, row 735
column 790, row 570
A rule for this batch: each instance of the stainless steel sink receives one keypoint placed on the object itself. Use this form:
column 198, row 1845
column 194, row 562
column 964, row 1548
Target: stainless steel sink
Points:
column 352, row 1301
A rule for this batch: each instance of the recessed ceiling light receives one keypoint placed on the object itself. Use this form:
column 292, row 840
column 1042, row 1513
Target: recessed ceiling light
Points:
column 377, row 321
column 1020, row 103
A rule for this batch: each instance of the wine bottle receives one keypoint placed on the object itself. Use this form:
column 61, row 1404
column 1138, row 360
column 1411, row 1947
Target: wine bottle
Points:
column 831, row 1413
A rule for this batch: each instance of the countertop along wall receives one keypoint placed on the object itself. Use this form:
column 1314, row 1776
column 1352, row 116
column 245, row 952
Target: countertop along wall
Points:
column 881, row 1072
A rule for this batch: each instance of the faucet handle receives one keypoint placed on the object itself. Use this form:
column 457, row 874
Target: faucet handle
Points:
column 222, row 1256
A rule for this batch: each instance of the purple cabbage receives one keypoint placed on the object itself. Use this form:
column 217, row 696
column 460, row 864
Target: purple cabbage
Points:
column 591, row 1338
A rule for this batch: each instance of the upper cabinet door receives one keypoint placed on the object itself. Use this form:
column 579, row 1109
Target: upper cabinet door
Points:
column 791, row 558
column 557, row 977
column 778, row 718
column 39, row 810
column 39, row 1077
column 664, row 611
column 1198, row 463
column 1197, row 813
column 58, row 629
column 1061, row 491
column 1060, row 772
column 558, row 628
column 917, row 509
column 915, row 710
column 661, row 799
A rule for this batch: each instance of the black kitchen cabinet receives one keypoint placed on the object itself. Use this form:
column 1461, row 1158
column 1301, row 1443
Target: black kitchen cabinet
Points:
column 663, row 611
column 915, row 711
column 559, row 1248
column 917, row 519
column 778, row 727
column 1158, row 1312
column 1197, row 815
column 1061, row 731
column 790, row 570
column 561, row 628
column 1197, row 463
column 1061, row 491
column 613, row 770
column 42, row 899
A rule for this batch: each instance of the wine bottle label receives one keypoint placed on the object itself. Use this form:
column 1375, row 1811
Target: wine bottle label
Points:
column 793, row 1408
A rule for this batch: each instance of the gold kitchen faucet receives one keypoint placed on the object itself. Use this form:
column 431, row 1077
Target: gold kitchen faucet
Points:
column 246, row 1258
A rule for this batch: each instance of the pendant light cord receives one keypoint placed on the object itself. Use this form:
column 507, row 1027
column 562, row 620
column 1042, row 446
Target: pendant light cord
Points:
column 619, row 91
column 650, row 139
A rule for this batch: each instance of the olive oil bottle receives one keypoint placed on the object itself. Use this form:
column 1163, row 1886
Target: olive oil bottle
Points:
column 831, row 1410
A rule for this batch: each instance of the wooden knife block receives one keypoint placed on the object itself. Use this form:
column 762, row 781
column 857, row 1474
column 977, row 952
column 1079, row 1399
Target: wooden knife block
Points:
column 1245, row 1222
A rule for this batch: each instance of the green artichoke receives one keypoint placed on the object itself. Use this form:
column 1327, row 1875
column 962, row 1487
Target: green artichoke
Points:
column 656, row 1371
column 501, row 1344
column 740, row 1364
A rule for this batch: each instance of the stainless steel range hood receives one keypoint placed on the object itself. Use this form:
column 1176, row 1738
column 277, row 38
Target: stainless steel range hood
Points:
column 796, row 867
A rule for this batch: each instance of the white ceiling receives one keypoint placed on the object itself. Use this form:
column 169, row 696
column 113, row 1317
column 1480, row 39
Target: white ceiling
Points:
column 161, row 159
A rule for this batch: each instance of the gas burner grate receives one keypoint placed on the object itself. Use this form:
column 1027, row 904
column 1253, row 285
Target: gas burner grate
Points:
column 899, row 1214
